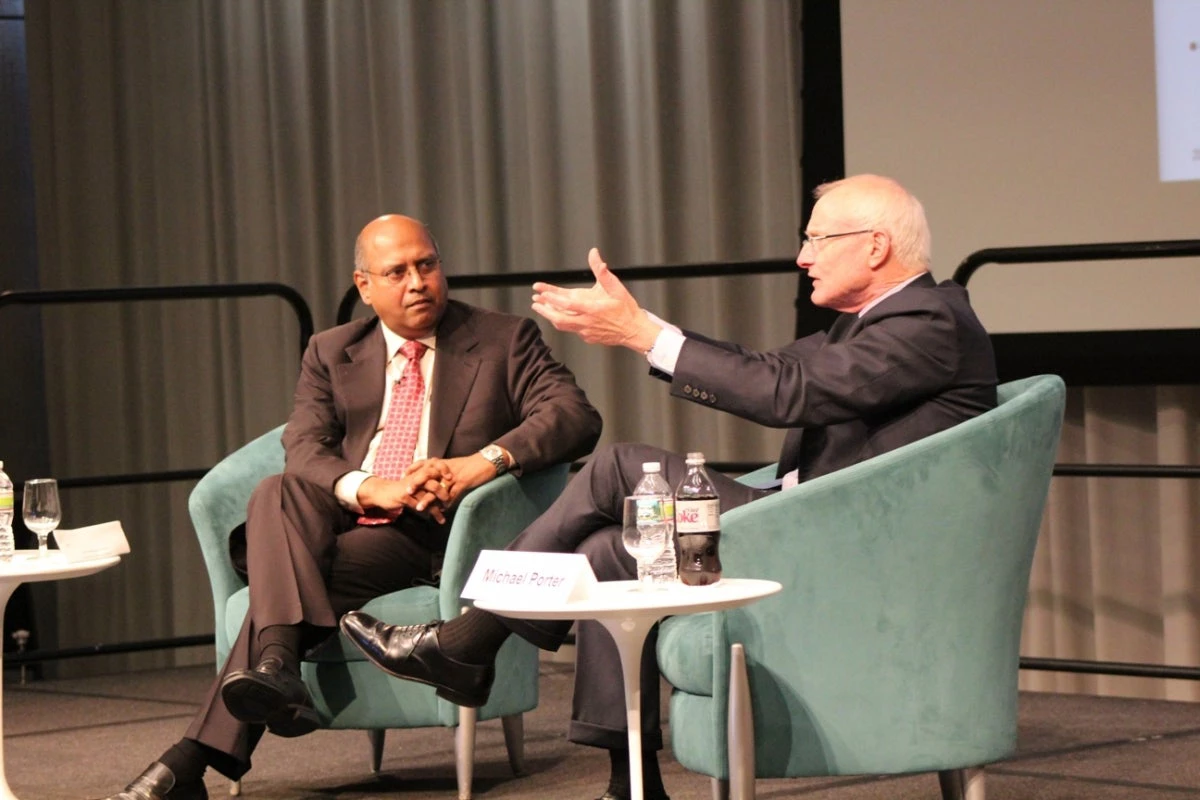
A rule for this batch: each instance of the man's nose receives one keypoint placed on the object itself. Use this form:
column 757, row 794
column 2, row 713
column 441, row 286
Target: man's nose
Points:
column 415, row 280
column 803, row 261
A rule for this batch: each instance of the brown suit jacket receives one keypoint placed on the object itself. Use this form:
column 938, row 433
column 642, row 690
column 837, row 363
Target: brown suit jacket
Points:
column 494, row 380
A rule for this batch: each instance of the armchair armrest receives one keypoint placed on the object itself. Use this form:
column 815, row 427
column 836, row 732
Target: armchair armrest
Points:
column 489, row 518
column 217, row 505
column 760, row 476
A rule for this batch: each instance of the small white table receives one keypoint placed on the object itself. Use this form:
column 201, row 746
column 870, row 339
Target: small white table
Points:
column 27, row 567
column 628, row 615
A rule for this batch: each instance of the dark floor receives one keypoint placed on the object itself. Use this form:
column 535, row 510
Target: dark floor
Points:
column 85, row 738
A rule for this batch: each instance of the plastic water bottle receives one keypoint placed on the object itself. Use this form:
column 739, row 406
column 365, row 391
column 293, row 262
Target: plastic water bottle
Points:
column 7, row 542
column 698, row 525
column 662, row 571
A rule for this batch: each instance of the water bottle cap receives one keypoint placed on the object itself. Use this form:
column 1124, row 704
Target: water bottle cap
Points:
column 651, row 466
column 695, row 458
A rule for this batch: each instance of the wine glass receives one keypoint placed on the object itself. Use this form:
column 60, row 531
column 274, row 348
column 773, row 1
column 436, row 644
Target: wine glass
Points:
column 644, row 535
column 41, row 510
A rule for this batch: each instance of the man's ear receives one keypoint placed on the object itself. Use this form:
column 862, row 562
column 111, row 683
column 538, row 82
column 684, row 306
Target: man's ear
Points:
column 881, row 248
column 363, row 283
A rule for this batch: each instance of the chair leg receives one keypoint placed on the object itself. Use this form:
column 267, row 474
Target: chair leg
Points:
column 740, row 728
column 464, row 751
column 235, row 788
column 720, row 789
column 375, row 737
column 514, row 741
column 962, row 784
column 464, row 744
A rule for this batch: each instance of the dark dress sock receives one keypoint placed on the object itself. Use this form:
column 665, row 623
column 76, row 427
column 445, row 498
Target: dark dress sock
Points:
column 282, row 642
column 618, row 779
column 185, row 759
column 473, row 638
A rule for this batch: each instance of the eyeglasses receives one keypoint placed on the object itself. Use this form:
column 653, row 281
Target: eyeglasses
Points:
column 397, row 275
column 806, row 240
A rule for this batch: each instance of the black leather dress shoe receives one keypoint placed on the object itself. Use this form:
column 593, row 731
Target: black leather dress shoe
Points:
column 413, row 652
column 158, row 783
column 270, row 695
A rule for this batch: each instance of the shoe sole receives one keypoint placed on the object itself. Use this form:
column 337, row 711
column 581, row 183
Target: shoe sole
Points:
column 443, row 692
column 293, row 721
column 254, row 703
column 249, row 701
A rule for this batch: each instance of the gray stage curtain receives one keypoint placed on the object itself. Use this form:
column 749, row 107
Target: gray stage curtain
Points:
column 205, row 141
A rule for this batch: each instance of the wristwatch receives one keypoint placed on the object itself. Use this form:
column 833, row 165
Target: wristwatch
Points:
column 495, row 454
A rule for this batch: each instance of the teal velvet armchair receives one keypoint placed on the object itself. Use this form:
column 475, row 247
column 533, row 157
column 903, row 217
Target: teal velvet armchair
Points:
column 893, row 647
column 348, row 691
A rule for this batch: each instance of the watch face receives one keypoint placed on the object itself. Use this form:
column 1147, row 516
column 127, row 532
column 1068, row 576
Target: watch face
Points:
column 494, row 454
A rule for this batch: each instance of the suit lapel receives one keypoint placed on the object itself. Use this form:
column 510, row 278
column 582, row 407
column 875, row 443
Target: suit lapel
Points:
column 360, row 391
column 454, row 372
column 840, row 329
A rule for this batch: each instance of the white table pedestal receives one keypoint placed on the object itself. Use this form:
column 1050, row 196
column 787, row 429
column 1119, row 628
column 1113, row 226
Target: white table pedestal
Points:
column 27, row 567
column 628, row 613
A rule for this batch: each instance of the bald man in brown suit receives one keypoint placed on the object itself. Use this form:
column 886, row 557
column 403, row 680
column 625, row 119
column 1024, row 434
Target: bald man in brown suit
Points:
column 494, row 400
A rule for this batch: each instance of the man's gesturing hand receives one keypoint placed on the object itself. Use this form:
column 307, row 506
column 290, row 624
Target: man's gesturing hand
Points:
column 606, row 313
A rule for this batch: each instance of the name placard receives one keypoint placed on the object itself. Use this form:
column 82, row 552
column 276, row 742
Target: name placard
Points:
column 512, row 576
column 94, row 541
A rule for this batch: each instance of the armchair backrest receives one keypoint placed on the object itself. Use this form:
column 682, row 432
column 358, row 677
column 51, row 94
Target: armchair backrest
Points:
column 217, row 505
column 894, row 644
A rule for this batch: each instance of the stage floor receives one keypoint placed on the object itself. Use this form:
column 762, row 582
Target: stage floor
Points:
column 86, row 738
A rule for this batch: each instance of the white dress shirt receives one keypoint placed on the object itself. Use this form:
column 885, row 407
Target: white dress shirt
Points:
column 346, row 488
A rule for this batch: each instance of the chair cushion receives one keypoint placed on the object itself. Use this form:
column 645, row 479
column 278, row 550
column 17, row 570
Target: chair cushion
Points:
column 411, row 606
column 690, row 641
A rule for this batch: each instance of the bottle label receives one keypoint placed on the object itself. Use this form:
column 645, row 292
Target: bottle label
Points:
column 697, row 516
column 653, row 510
column 6, row 501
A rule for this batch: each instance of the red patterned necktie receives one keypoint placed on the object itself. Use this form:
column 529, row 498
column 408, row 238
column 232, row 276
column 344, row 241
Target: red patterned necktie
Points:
column 403, row 424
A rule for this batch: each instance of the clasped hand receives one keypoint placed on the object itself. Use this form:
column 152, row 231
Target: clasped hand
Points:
column 429, row 487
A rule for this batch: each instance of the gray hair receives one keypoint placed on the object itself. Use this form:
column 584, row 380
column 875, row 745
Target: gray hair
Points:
column 882, row 204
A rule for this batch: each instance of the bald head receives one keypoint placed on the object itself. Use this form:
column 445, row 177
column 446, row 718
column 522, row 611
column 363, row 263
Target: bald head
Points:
column 388, row 226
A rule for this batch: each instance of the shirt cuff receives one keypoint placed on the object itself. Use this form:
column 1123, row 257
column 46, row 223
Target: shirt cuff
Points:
column 664, row 354
column 791, row 479
column 346, row 489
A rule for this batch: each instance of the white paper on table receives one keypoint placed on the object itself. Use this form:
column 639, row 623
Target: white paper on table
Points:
column 92, row 542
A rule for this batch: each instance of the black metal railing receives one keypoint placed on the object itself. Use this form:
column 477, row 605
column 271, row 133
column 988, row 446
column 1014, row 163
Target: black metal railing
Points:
column 1048, row 254
column 304, row 319
column 208, row 291
column 1181, row 365
column 970, row 265
column 293, row 298
column 508, row 280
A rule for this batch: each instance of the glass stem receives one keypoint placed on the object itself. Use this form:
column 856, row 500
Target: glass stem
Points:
column 647, row 577
column 42, row 538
